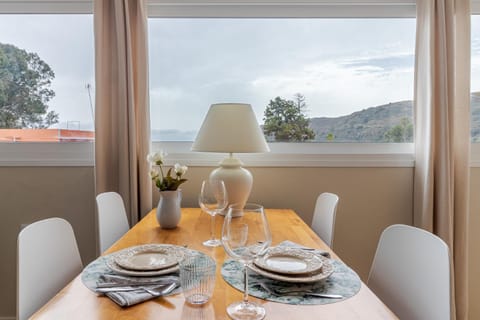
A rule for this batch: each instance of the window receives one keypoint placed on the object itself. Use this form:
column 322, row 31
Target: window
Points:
column 58, row 60
column 475, row 79
column 168, row 19
column 353, row 76
column 68, row 35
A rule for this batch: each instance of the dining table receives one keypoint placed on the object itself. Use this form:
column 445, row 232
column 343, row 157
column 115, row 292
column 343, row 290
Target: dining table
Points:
column 76, row 301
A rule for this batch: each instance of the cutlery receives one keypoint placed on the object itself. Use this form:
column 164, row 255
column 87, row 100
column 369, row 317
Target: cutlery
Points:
column 110, row 281
column 157, row 293
column 152, row 289
column 315, row 251
column 299, row 292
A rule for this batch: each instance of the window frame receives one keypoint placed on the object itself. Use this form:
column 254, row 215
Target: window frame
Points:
column 38, row 154
column 292, row 154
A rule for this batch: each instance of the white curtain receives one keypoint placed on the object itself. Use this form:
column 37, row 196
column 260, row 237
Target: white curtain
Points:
column 442, row 132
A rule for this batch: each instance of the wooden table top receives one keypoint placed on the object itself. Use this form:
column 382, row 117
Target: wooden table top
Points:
column 75, row 301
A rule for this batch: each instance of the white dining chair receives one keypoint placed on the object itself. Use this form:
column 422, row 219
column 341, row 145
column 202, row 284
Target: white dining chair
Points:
column 323, row 222
column 111, row 219
column 47, row 260
column 411, row 273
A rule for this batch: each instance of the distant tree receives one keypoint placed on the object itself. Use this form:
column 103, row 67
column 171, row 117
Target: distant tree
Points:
column 25, row 82
column 330, row 137
column 285, row 120
column 402, row 132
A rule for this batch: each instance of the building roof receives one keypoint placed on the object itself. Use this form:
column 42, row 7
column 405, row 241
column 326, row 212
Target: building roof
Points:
column 45, row 135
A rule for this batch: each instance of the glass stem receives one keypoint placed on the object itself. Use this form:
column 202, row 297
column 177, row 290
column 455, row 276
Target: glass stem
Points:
column 245, row 283
column 212, row 228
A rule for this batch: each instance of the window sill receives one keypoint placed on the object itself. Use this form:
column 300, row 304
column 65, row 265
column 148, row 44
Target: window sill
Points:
column 54, row 154
column 47, row 154
column 300, row 155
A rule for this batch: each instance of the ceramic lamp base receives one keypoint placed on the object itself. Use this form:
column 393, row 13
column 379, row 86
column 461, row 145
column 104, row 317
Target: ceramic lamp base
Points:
column 238, row 181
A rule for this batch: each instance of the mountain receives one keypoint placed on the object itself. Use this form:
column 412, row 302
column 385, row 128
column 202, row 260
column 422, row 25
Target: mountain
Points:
column 371, row 124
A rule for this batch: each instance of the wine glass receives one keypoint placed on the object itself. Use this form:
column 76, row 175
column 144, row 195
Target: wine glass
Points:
column 213, row 200
column 245, row 235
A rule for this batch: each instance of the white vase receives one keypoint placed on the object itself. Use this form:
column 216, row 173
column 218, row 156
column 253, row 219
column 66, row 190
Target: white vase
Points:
column 169, row 209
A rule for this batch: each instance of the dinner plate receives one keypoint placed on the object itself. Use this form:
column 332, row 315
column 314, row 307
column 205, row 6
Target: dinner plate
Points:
column 176, row 251
column 289, row 261
column 324, row 272
column 148, row 257
column 117, row 269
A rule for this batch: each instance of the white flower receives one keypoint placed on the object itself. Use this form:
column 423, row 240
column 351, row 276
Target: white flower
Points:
column 180, row 170
column 172, row 180
column 156, row 157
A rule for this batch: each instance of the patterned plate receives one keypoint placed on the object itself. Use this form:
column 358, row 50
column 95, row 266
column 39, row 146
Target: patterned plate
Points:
column 326, row 270
column 176, row 251
column 148, row 257
column 112, row 265
column 289, row 261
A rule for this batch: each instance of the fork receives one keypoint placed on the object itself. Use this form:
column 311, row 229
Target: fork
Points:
column 299, row 293
column 164, row 290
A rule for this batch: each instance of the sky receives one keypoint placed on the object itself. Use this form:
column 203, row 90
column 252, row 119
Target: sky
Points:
column 65, row 42
column 339, row 65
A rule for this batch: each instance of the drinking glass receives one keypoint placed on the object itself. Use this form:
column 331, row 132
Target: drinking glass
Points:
column 197, row 278
column 213, row 200
column 245, row 235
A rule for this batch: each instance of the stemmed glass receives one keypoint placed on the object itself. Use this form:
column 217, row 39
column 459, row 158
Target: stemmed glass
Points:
column 245, row 235
column 213, row 200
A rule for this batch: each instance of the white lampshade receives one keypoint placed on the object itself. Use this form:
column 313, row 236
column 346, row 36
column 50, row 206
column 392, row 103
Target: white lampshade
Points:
column 231, row 128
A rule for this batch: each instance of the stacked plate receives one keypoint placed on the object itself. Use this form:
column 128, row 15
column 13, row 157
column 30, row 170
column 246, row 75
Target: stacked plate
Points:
column 292, row 265
column 146, row 260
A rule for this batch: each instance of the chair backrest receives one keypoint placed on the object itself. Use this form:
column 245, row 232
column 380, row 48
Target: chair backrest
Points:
column 111, row 218
column 323, row 222
column 48, row 259
column 411, row 273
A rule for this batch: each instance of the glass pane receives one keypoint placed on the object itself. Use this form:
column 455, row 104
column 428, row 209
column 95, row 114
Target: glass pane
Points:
column 355, row 76
column 47, row 77
column 475, row 80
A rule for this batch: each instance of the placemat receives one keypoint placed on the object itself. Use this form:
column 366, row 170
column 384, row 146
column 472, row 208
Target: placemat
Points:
column 343, row 281
column 92, row 272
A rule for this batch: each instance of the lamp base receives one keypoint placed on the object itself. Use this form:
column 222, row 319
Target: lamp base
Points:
column 238, row 181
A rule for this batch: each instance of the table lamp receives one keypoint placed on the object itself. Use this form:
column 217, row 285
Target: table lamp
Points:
column 231, row 128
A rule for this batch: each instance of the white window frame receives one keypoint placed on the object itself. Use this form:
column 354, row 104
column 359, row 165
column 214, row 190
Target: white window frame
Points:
column 33, row 154
column 292, row 154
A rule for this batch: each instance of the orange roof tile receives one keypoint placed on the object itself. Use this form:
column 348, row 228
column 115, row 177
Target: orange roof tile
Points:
column 45, row 135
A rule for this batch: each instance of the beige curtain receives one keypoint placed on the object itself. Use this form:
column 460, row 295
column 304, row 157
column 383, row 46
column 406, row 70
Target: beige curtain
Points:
column 122, row 127
column 442, row 137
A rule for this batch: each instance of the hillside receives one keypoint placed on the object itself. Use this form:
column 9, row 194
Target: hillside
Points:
column 370, row 125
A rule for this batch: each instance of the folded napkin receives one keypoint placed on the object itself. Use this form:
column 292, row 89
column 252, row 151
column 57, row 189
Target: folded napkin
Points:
column 130, row 290
column 130, row 298
column 291, row 244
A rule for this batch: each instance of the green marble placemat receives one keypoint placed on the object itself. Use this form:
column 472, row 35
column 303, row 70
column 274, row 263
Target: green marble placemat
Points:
column 92, row 272
column 343, row 281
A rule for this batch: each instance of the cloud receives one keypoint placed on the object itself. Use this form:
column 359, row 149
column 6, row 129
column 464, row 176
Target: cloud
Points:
column 335, row 88
column 380, row 64
column 340, row 65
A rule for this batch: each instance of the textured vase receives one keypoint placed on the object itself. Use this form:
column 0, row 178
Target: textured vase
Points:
column 169, row 209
